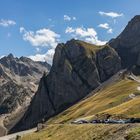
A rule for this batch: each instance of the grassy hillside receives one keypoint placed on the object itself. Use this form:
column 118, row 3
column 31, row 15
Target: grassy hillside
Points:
column 116, row 100
column 112, row 100
column 86, row 132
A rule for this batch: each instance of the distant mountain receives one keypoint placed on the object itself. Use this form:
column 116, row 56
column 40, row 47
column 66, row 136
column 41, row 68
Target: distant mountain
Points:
column 19, row 79
column 78, row 68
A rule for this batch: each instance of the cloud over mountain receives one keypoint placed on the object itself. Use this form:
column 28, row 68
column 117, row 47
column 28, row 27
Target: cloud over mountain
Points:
column 42, row 37
column 88, row 34
column 48, row 56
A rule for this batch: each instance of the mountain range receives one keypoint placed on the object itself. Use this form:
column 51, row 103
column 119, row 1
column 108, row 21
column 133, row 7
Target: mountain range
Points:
column 86, row 82
column 19, row 79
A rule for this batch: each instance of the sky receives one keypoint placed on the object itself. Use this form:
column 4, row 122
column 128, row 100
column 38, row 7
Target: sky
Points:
column 33, row 28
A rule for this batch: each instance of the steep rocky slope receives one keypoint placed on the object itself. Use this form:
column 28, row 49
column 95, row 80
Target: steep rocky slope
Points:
column 78, row 68
column 127, row 44
column 19, row 78
column 115, row 100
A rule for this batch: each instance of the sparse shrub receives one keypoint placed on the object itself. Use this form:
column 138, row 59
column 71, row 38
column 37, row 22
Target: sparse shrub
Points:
column 18, row 137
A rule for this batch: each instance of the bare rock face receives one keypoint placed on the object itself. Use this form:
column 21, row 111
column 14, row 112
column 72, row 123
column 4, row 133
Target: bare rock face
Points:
column 19, row 79
column 78, row 68
column 108, row 63
column 127, row 44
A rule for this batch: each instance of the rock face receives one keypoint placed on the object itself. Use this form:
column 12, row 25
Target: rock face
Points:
column 127, row 44
column 78, row 68
column 18, row 83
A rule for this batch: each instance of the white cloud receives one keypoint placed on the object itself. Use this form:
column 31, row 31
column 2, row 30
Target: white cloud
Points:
column 69, row 30
column 106, row 27
column 6, row 23
column 68, row 18
column 48, row 56
column 74, row 18
column 80, row 31
column 2, row 56
column 110, row 31
column 88, row 34
column 40, row 38
column 22, row 30
column 111, row 14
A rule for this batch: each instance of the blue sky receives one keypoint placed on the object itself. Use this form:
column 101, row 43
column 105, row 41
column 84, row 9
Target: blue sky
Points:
column 34, row 27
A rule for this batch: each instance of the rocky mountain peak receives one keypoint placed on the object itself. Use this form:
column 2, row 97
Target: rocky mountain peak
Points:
column 78, row 68
column 25, row 59
column 131, row 32
column 135, row 19
column 10, row 56
column 127, row 43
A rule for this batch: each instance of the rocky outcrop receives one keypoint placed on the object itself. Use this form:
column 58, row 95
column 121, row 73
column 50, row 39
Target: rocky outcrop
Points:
column 19, row 79
column 127, row 44
column 77, row 69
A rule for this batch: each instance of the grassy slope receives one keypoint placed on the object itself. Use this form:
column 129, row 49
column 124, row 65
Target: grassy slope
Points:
column 134, row 134
column 113, row 99
column 84, row 132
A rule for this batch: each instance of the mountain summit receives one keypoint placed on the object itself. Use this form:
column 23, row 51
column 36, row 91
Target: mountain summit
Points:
column 127, row 44
column 78, row 68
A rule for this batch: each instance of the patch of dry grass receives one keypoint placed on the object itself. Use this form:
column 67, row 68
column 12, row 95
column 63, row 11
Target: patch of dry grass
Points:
column 114, row 100
column 81, row 132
